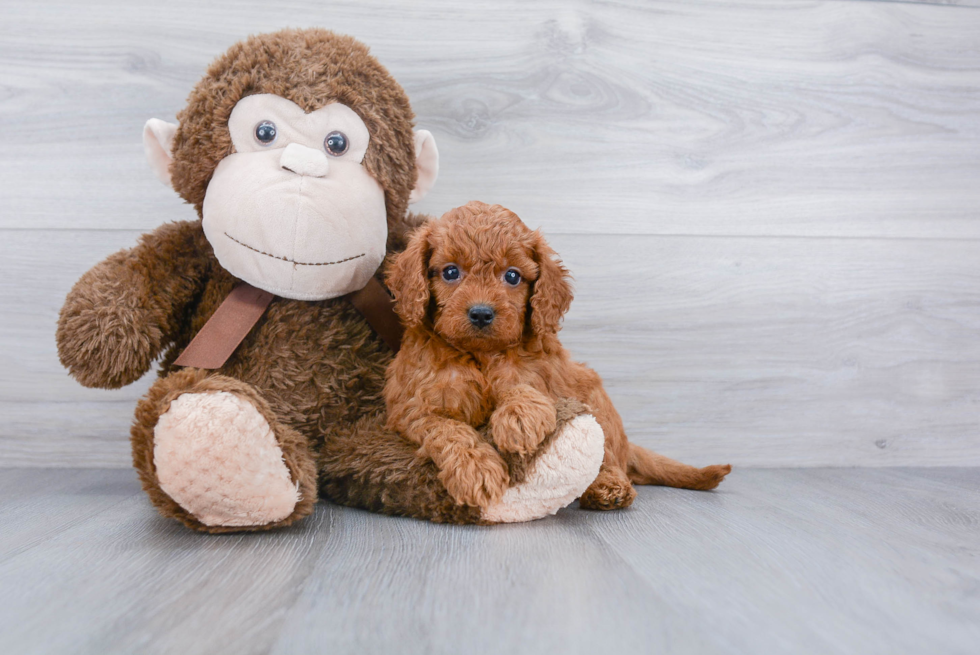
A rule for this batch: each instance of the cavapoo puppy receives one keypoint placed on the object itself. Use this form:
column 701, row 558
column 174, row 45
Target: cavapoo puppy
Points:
column 481, row 297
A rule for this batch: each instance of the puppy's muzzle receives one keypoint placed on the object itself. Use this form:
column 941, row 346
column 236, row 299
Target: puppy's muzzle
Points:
column 481, row 315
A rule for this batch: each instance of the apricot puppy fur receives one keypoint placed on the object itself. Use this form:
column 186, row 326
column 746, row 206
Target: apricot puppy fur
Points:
column 481, row 297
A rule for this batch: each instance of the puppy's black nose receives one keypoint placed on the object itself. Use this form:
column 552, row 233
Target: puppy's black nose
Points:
column 481, row 315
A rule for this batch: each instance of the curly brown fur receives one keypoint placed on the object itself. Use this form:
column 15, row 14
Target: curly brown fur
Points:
column 121, row 314
column 519, row 464
column 315, row 370
column 318, row 365
column 397, row 464
column 453, row 375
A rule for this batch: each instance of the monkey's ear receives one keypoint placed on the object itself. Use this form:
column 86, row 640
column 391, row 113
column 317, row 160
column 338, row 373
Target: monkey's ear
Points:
column 426, row 163
column 408, row 278
column 158, row 140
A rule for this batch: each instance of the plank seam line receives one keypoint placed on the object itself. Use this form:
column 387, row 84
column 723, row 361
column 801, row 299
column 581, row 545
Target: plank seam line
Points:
column 921, row 3
column 549, row 233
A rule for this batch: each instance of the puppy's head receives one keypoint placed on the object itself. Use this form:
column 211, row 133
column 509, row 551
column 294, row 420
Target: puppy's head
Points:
column 481, row 279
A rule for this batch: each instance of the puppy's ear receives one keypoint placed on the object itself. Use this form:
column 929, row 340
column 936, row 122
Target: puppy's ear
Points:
column 408, row 278
column 552, row 293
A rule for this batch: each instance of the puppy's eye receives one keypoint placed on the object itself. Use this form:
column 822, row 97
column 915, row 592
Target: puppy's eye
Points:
column 265, row 133
column 512, row 277
column 336, row 143
column 450, row 273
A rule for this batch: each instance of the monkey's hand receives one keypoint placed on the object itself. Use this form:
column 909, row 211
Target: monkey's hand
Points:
column 107, row 336
column 523, row 418
column 122, row 313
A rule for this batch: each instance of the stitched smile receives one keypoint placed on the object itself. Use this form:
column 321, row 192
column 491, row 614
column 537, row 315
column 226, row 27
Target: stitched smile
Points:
column 292, row 261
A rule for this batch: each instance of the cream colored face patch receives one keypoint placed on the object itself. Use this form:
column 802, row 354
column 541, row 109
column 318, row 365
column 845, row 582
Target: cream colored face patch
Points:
column 292, row 125
column 292, row 210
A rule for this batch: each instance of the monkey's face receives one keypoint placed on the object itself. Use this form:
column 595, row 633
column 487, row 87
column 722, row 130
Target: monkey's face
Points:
column 293, row 210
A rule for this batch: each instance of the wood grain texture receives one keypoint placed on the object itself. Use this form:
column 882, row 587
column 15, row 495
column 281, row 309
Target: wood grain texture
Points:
column 763, row 352
column 803, row 561
column 785, row 351
column 770, row 207
column 686, row 117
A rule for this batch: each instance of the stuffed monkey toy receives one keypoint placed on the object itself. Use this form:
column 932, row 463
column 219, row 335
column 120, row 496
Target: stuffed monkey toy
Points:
column 298, row 152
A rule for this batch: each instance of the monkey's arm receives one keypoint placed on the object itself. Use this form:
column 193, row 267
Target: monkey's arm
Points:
column 122, row 313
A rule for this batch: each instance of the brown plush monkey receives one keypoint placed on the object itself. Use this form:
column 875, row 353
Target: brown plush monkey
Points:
column 298, row 152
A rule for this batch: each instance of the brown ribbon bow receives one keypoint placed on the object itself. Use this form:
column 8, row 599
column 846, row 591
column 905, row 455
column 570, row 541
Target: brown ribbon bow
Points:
column 241, row 310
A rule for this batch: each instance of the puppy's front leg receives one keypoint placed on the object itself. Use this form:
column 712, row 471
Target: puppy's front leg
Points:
column 472, row 471
column 523, row 418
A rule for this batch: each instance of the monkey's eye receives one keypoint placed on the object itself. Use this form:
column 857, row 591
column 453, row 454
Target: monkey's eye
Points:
column 450, row 273
column 265, row 133
column 512, row 277
column 336, row 143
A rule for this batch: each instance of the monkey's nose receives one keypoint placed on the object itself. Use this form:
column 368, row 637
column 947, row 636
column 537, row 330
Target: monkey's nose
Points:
column 481, row 315
column 304, row 161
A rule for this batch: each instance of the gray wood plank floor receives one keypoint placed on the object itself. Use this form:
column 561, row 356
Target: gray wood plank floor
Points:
column 777, row 561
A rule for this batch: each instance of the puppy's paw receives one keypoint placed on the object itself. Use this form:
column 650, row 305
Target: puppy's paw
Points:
column 475, row 476
column 557, row 476
column 609, row 491
column 519, row 425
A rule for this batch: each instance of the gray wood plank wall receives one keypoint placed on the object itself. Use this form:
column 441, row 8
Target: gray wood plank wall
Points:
column 772, row 209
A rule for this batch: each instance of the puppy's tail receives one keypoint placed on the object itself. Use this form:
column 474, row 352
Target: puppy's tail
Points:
column 647, row 467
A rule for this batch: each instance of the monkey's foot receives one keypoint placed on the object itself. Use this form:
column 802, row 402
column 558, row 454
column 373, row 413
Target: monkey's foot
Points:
column 556, row 477
column 218, row 458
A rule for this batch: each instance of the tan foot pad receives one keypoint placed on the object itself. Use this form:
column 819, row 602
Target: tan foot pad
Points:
column 218, row 458
column 557, row 477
